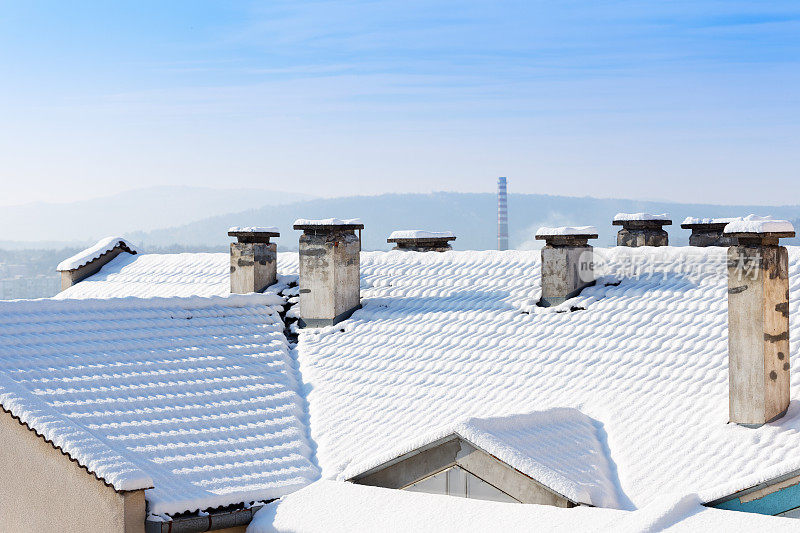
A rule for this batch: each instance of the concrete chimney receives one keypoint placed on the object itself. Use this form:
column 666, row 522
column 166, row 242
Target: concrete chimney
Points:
column 708, row 231
column 330, row 288
column 641, row 229
column 254, row 265
column 422, row 241
column 567, row 262
column 758, row 320
column 88, row 262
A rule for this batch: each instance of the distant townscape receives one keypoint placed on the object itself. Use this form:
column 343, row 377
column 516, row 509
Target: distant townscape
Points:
column 30, row 252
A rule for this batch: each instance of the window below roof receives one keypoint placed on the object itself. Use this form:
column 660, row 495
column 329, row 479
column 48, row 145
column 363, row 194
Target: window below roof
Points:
column 455, row 481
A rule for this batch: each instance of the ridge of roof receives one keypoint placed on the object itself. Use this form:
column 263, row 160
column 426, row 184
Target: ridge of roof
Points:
column 95, row 251
column 524, row 442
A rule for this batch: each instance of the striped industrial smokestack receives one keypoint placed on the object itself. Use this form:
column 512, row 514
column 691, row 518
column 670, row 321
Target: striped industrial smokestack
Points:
column 502, row 214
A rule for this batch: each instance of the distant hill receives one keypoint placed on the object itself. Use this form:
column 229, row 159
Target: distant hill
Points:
column 45, row 225
column 471, row 216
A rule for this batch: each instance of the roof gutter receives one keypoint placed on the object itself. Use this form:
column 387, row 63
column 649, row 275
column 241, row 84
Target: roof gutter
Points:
column 210, row 522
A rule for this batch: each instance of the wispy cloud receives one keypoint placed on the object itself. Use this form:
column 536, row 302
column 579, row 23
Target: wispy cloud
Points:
column 577, row 97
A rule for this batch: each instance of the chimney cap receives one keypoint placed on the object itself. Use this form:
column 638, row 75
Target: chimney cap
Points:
column 561, row 232
column 328, row 224
column 707, row 223
column 421, row 236
column 641, row 220
column 753, row 227
column 253, row 234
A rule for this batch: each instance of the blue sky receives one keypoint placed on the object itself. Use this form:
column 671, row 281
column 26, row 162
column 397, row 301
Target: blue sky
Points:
column 686, row 101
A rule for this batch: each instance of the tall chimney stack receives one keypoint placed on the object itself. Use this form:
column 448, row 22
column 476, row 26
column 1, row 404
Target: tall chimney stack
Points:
column 567, row 262
column 641, row 229
column 330, row 287
column 254, row 265
column 758, row 320
column 502, row 214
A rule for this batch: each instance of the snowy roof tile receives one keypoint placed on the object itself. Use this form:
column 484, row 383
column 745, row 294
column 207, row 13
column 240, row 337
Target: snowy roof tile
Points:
column 71, row 438
column 442, row 338
column 98, row 249
column 166, row 275
column 446, row 337
column 197, row 397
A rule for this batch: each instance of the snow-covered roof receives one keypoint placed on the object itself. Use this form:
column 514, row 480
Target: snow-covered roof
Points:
column 344, row 507
column 444, row 337
column 580, row 470
column 566, row 230
column 72, row 438
column 197, row 397
column 167, row 275
column 759, row 224
column 90, row 254
column 421, row 234
column 157, row 275
column 624, row 217
column 328, row 222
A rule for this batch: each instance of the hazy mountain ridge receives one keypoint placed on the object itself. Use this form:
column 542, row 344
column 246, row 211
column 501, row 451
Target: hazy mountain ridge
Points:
column 30, row 272
column 47, row 224
column 471, row 216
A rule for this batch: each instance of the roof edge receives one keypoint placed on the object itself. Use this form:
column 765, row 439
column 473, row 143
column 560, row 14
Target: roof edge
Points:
column 214, row 521
column 27, row 409
column 55, row 446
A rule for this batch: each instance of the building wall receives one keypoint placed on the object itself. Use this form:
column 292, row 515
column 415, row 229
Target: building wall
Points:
column 41, row 489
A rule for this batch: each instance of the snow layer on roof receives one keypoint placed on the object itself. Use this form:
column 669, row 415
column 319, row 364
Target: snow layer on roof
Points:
column 75, row 440
column 326, row 221
column 344, row 507
column 696, row 220
column 619, row 217
column 757, row 224
column 566, row 230
column 254, row 229
column 90, row 254
column 157, row 275
column 579, row 470
column 167, row 275
column 421, row 234
column 199, row 394
column 444, row 337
